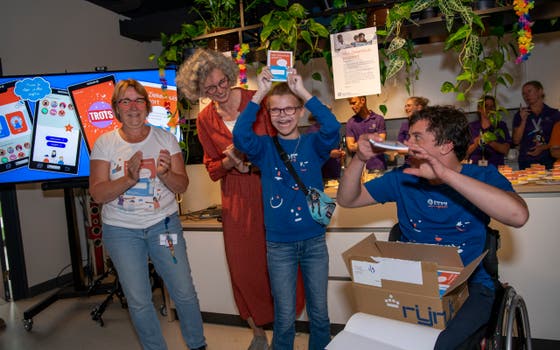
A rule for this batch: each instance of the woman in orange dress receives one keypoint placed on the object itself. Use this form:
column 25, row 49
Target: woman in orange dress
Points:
column 212, row 75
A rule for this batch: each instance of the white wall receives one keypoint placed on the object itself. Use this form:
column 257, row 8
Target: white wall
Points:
column 58, row 36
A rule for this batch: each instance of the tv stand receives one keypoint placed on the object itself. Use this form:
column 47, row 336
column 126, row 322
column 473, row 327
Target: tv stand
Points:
column 77, row 287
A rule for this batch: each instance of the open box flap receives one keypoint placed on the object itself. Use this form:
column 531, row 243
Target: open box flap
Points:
column 441, row 255
column 466, row 273
column 361, row 251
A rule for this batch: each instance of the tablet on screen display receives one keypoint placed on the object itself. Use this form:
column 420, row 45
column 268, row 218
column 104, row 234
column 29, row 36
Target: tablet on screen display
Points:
column 15, row 128
column 56, row 134
column 92, row 100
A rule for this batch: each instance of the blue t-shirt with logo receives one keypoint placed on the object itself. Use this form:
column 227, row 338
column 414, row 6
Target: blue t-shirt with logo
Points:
column 437, row 214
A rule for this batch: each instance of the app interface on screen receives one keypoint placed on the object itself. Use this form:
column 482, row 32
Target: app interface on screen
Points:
column 56, row 138
column 93, row 106
column 162, row 101
column 15, row 129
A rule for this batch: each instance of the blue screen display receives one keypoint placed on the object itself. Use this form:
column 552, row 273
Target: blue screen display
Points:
column 49, row 123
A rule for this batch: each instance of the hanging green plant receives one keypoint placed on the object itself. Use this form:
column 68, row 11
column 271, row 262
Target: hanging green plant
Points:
column 285, row 27
column 347, row 20
column 174, row 45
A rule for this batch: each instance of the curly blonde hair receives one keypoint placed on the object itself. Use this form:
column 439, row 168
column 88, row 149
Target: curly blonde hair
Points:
column 194, row 71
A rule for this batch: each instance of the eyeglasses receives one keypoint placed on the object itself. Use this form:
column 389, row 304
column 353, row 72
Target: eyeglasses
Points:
column 212, row 89
column 274, row 112
column 128, row 102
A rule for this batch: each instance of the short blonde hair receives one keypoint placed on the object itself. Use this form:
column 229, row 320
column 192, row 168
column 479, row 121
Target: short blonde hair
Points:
column 120, row 89
column 196, row 69
column 421, row 101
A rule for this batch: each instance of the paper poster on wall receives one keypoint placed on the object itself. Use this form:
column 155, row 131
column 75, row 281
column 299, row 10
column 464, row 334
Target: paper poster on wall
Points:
column 355, row 62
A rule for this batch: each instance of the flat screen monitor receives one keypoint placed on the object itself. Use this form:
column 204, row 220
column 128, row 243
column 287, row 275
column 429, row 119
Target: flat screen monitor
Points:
column 49, row 123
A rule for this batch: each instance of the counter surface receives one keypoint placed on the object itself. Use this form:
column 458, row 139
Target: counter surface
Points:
column 526, row 188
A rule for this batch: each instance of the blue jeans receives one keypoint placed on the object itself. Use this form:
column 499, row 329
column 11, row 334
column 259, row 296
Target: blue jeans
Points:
column 283, row 260
column 474, row 314
column 129, row 250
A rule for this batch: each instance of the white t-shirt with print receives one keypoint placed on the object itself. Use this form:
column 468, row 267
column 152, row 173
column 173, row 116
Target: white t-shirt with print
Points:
column 149, row 201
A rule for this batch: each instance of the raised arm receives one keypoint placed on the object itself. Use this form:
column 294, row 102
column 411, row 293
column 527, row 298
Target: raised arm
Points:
column 518, row 130
column 506, row 207
column 351, row 192
column 171, row 171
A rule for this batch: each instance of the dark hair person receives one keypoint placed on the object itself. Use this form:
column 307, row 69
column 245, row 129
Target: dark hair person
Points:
column 469, row 196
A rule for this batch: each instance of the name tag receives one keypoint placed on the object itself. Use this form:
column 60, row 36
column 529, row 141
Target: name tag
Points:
column 483, row 162
column 163, row 239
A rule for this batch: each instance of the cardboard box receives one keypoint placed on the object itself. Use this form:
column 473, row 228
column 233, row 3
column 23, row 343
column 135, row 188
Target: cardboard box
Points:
column 400, row 280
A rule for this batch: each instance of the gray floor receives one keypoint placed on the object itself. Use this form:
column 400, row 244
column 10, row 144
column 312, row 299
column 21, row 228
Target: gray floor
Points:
column 67, row 324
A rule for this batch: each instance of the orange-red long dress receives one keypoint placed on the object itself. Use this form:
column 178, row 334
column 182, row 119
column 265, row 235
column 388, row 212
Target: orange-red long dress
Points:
column 242, row 216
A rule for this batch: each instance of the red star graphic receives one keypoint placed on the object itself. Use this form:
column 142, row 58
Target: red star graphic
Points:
column 69, row 127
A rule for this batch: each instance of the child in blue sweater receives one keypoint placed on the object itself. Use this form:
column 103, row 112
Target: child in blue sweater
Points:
column 293, row 237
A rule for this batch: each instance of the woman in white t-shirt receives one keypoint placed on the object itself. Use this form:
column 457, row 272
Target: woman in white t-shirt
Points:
column 135, row 171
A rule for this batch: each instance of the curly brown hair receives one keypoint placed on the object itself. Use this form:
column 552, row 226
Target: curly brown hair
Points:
column 194, row 71
column 448, row 124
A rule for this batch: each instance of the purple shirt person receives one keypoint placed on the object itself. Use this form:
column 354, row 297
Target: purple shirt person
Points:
column 332, row 168
column 365, row 121
column 482, row 150
column 532, row 127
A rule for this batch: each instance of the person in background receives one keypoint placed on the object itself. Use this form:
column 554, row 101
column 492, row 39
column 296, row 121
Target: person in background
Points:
column 365, row 121
column 413, row 104
column 135, row 172
column 532, row 127
column 491, row 151
column 332, row 168
column 467, row 196
column 211, row 74
column 293, row 236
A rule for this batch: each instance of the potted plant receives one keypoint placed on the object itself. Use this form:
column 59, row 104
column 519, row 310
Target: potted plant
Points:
column 348, row 20
column 287, row 28
column 177, row 46
column 219, row 15
column 479, row 60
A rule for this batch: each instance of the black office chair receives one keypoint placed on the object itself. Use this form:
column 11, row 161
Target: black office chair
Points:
column 509, row 315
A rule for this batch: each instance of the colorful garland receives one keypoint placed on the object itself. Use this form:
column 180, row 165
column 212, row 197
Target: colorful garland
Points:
column 524, row 34
column 173, row 119
column 239, row 55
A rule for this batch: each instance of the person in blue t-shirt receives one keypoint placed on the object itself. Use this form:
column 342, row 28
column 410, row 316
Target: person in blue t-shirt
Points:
column 441, row 201
column 293, row 237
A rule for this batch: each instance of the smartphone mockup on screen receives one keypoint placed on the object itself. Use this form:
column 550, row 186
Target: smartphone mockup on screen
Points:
column 56, row 134
column 15, row 129
column 92, row 100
